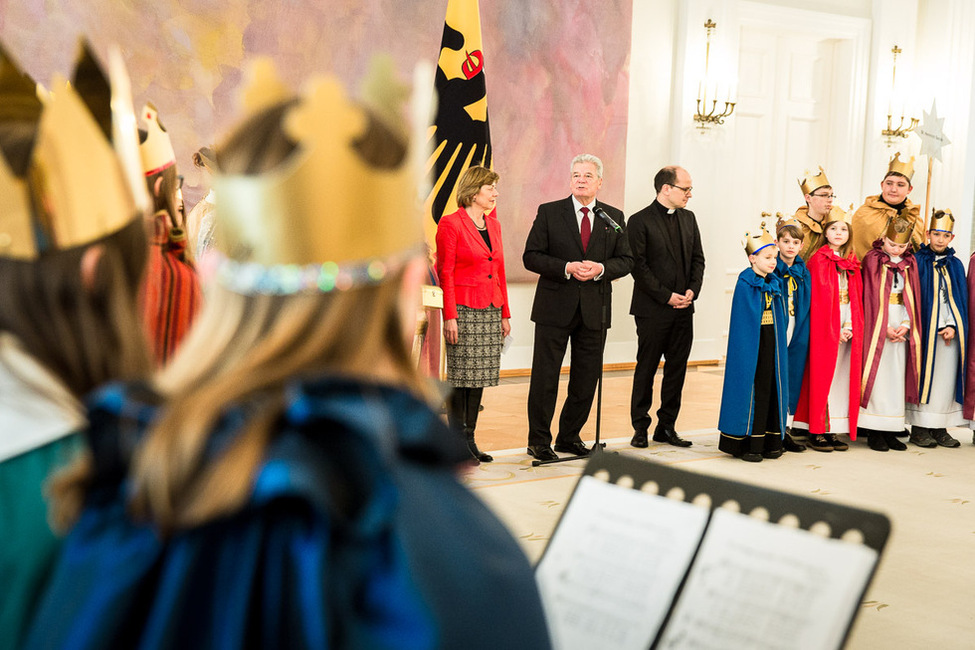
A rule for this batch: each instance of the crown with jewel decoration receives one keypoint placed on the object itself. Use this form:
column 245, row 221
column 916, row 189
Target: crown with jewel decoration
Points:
column 781, row 223
column 942, row 220
column 79, row 179
column 326, row 217
column 156, row 149
column 902, row 168
column 754, row 242
column 809, row 183
column 899, row 230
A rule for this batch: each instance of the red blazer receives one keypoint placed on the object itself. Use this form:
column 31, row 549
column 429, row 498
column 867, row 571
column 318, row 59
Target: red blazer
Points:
column 470, row 274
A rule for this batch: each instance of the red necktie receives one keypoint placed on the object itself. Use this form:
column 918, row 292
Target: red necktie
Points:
column 586, row 228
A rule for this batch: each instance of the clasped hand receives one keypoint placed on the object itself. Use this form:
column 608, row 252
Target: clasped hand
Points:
column 678, row 301
column 897, row 334
column 585, row 270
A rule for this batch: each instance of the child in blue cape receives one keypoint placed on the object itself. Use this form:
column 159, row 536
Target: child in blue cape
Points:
column 754, row 401
column 795, row 291
column 944, row 330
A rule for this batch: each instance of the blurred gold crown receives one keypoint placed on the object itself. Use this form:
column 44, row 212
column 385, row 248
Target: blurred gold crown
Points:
column 781, row 223
column 754, row 242
column 810, row 184
column 326, row 217
column 837, row 213
column 903, row 168
column 72, row 187
column 156, row 150
column 942, row 220
column 899, row 230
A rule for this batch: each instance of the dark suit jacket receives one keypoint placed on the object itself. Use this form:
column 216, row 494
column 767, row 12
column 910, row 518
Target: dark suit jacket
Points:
column 655, row 261
column 554, row 241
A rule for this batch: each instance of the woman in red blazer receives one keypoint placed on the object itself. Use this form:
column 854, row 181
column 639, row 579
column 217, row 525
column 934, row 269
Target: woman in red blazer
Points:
column 470, row 263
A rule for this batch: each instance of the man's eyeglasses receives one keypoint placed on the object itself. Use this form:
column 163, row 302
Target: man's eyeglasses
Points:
column 685, row 190
column 824, row 196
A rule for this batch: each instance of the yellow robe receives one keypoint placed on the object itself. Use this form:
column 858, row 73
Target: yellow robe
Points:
column 871, row 219
column 812, row 230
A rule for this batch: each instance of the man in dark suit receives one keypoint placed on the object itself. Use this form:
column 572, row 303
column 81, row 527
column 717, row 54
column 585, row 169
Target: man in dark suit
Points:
column 668, row 271
column 577, row 255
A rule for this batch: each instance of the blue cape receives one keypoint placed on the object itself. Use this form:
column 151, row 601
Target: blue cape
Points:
column 356, row 534
column 798, row 274
column 737, row 397
column 931, row 274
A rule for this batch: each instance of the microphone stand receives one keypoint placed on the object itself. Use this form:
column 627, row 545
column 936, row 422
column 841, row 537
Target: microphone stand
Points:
column 597, row 446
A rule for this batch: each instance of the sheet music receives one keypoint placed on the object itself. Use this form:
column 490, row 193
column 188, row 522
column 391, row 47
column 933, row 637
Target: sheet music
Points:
column 610, row 573
column 759, row 586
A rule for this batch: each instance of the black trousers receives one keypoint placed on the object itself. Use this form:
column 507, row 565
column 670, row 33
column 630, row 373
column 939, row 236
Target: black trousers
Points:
column 668, row 337
column 585, row 361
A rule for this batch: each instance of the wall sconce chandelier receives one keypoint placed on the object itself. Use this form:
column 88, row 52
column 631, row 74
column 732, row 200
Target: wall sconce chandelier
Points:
column 900, row 132
column 704, row 116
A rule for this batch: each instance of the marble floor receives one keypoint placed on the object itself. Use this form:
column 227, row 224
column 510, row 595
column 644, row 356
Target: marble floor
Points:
column 923, row 594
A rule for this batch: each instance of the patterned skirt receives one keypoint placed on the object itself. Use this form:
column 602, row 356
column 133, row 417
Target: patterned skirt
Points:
column 476, row 359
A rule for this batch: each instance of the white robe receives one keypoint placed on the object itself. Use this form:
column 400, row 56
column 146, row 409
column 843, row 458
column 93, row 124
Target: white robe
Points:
column 885, row 411
column 941, row 411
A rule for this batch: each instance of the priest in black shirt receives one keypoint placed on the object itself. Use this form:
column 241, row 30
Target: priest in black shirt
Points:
column 667, row 272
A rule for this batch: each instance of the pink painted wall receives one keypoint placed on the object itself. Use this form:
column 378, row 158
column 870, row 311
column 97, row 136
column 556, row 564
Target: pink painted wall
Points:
column 557, row 73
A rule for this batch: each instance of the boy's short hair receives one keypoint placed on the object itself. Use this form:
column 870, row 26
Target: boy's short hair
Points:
column 792, row 231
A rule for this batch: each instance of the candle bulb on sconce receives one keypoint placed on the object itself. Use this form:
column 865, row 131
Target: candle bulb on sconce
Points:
column 890, row 133
column 705, row 115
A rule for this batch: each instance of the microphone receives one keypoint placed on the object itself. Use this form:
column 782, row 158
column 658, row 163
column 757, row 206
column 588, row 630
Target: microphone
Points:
column 609, row 220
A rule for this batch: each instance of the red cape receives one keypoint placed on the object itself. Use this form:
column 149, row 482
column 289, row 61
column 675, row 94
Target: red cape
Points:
column 824, row 338
column 878, row 276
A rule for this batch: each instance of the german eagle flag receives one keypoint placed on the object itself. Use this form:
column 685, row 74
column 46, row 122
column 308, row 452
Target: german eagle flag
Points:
column 460, row 130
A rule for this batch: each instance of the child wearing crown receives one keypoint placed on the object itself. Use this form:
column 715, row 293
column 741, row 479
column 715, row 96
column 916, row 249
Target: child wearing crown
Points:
column 891, row 347
column 944, row 328
column 795, row 291
column 753, row 414
column 830, row 391
column 871, row 219
column 817, row 211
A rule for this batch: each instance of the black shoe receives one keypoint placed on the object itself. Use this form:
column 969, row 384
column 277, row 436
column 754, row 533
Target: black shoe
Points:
column 818, row 442
column 837, row 444
column 890, row 437
column 639, row 439
column 772, row 454
column 670, row 437
column 574, row 448
column 943, row 438
column 751, row 457
column 542, row 452
column 789, row 444
column 479, row 455
column 921, row 437
column 877, row 441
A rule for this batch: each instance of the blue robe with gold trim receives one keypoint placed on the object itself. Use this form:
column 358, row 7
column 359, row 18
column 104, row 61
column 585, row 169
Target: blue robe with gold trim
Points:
column 737, row 398
column 932, row 273
column 797, row 276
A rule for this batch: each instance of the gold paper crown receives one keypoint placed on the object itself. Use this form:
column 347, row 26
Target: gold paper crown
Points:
column 756, row 242
column 810, row 184
column 326, row 217
column 156, row 149
column 839, row 214
column 899, row 230
column 781, row 223
column 942, row 220
column 905, row 169
column 74, row 187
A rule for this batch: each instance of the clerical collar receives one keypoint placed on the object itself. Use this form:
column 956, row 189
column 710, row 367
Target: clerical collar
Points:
column 671, row 211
